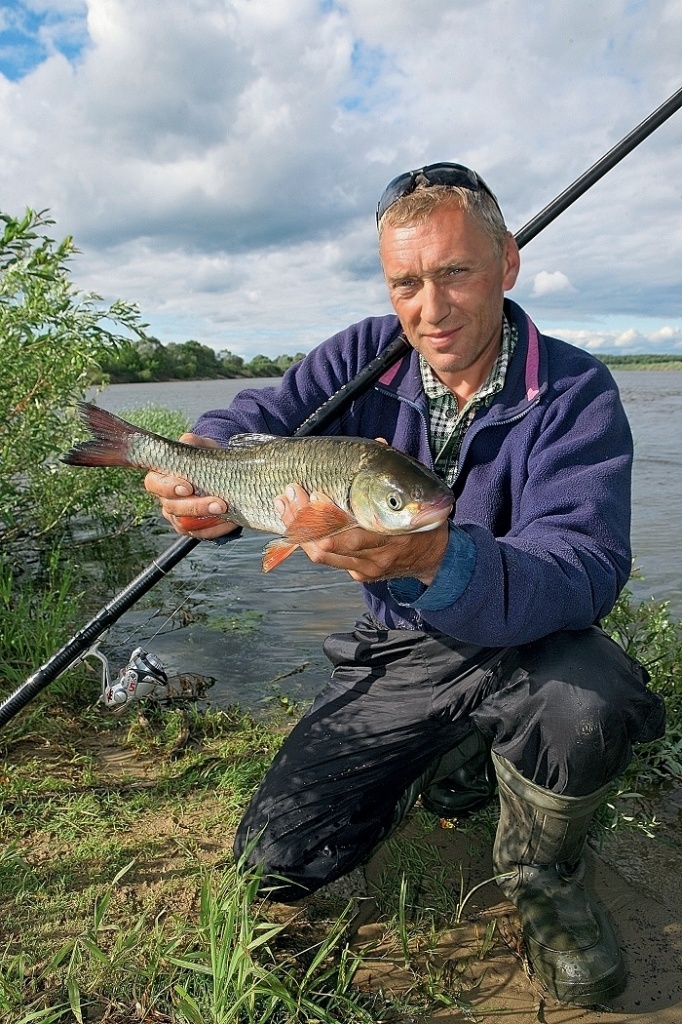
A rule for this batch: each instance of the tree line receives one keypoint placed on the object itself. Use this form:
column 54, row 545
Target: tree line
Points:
column 147, row 359
column 639, row 361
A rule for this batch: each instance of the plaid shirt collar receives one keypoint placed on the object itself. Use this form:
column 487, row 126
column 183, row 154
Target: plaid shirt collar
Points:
column 447, row 425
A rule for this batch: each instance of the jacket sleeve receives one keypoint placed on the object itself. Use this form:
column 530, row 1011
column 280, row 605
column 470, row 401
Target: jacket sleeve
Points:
column 566, row 556
column 281, row 409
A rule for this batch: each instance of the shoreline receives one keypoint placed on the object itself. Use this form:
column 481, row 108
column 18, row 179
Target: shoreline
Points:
column 420, row 930
column 615, row 362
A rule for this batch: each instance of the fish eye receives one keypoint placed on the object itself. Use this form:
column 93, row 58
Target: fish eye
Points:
column 394, row 501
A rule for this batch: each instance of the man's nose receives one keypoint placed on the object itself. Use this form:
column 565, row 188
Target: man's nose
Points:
column 435, row 303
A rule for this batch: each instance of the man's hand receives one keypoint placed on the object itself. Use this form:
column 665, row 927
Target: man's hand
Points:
column 185, row 511
column 369, row 557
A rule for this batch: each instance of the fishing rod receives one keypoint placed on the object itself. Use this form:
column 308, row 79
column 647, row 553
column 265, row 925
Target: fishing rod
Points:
column 83, row 642
column 599, row 169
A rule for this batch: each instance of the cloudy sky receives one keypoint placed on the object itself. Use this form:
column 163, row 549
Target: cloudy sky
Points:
column 219, row 161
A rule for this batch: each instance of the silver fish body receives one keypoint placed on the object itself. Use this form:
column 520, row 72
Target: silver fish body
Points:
column 254, row 468
column 376, row 486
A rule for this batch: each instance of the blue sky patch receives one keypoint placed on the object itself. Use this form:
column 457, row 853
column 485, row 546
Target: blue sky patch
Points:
column 367, row 65
column 29, row 34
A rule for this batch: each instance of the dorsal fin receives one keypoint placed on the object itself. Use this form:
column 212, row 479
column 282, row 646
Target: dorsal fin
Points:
column 249, row 440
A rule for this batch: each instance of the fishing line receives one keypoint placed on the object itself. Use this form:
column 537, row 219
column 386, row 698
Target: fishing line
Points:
column 144, row 677
column 225, row 549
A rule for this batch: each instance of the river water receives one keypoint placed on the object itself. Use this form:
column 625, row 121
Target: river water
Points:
column 259, row 636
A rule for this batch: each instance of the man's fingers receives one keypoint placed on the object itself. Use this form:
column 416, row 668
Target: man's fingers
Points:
column 193, row 523
column 198, row 441
column 187, row 512
column 162, row 486
column 202, row 529
column 288, row 504
column 297, row 495
column 195, row 507
column 205, row 533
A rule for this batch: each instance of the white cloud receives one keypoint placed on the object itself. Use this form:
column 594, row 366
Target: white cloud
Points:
column 203, row 152
column 626, row 339
column 667, row 334
column 550, row 283
column 633, row 339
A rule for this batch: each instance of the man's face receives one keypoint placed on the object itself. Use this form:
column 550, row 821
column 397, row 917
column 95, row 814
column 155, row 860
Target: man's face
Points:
column 447, row 283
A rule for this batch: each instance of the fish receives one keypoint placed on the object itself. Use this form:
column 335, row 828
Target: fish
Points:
column 358, row 481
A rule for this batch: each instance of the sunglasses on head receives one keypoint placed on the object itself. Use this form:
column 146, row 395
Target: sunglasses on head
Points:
column 454, row 175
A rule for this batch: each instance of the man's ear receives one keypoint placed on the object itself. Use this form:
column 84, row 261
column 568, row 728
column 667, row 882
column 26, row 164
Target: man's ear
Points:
column 512, row 262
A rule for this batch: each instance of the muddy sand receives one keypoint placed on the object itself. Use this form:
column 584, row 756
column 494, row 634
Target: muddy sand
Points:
column 638, row 880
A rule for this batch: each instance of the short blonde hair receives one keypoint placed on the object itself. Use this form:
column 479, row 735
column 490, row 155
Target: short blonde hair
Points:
column 417, row 206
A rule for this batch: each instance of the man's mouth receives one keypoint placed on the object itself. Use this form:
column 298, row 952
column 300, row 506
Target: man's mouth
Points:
column 442, row 337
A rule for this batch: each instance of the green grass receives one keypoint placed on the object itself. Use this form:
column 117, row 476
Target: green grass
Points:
column 647, row 631
column 117, row 895
column 643, row 362
column 235, row 973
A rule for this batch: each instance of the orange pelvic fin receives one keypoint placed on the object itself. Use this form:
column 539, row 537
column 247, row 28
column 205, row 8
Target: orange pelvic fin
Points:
column 198, row 522
column 275, row 552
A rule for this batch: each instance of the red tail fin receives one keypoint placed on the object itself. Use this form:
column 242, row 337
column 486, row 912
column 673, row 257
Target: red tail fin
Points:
column 109, row 446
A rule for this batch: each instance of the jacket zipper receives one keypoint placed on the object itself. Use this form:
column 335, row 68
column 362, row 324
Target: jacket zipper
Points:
column 474, row 430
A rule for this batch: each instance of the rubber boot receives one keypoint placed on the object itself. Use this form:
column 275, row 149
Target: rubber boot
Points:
column 464, row 780
column 538, row 860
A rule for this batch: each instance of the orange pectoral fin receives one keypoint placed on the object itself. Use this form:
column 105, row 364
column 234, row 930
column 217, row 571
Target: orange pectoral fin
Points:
column 319, row 519
column 275, row 552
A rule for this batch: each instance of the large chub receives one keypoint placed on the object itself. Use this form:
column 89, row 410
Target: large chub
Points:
column 354, row 481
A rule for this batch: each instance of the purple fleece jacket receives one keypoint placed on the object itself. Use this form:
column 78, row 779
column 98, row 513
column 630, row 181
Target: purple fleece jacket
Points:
column 539, row 536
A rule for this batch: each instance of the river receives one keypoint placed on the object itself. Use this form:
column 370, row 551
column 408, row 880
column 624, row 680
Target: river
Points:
column 260, row 636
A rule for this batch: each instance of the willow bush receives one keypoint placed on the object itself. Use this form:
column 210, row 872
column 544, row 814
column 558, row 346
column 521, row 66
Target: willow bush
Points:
column 52, row 337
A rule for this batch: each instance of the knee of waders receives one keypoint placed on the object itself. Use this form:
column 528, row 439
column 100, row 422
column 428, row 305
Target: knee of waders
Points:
column 261, row 860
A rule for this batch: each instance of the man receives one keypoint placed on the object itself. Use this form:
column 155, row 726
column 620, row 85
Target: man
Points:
column 481, row 639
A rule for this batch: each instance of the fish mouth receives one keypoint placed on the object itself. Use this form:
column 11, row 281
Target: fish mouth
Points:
column 431, row 515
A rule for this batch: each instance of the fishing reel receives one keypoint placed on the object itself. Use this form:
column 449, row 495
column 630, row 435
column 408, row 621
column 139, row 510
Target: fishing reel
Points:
column 142, row 678
column 145, row 679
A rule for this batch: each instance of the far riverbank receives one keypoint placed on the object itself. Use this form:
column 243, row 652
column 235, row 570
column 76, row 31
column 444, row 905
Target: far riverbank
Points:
column 181, row 363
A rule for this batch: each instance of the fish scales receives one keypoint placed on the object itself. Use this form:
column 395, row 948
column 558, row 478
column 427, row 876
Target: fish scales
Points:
column 250, row 475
